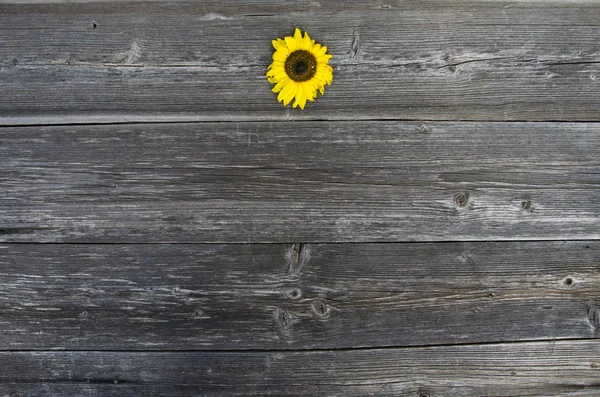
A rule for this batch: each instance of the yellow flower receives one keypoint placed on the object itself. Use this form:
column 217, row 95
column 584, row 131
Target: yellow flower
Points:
column 300, row 68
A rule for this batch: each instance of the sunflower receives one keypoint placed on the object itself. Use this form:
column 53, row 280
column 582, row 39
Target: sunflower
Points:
column 300, row 68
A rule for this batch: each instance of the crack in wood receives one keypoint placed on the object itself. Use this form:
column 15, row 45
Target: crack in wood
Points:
column 298, row 259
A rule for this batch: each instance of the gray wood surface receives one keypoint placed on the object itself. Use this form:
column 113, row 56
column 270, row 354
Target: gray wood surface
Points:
column 544, row 369
column 206, row 297
column 300, row 182
column 433, row 221
column 107, row 61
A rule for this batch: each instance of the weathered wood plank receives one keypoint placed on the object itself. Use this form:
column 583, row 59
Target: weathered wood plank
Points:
column 206, row 297
column 548, row 369
column 111, row 61
column 300, row 182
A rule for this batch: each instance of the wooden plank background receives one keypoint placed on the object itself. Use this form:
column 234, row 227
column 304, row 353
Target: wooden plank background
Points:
column 301, row 182
column 175, row 297
column 106, row 61
column 429, row 227
column 553, row 369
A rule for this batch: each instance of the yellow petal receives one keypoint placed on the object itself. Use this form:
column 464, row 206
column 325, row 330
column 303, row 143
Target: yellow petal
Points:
column 287, row 93
column 324, row 58
column 325, row 73
column 307, row 90
column 279, row 56
column 302, row 102
column 285, row 89
column 300, row 97
column 280, row 46
column 305, row 42
column 280, row 75
column 291, row 43
column 298, row 38
column 296, row 96
column 290, row 95
column 282, row 83
column 276, row 66
column 321, row 50
column 312, row 91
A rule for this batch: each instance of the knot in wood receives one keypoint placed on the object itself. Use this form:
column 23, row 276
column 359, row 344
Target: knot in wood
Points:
column 461, row 200
column 320, row 308
column 282, row 318
column 594, row 317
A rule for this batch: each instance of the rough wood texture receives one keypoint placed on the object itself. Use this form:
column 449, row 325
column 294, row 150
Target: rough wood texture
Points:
column 548, row 369
column 468, row 123
column 300, row 182
column 156, row 297
column 107, row 61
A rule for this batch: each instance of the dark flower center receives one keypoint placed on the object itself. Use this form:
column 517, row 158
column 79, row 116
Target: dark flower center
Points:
column 301, row 65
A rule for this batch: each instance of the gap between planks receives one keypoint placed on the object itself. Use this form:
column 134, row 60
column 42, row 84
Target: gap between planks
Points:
column 311, row 349
column 35, row 123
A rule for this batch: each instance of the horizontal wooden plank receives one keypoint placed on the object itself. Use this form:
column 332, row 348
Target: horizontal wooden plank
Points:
column 106, row 61
column 206, row 297
column 548, row 369
column 300, row 182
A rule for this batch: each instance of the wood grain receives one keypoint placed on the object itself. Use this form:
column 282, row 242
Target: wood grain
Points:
column 300, row 182
column 548, row 369
column 107, row 61
column 206, row 297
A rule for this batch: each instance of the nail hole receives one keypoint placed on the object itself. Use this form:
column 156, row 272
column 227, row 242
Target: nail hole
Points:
column 568, row 281
column 198, row 313
column 491, row 295
column 294, row 293
column 526, row 205
column 94, row 25
column 424, row 395
column 461, row 199
column 594, row 365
